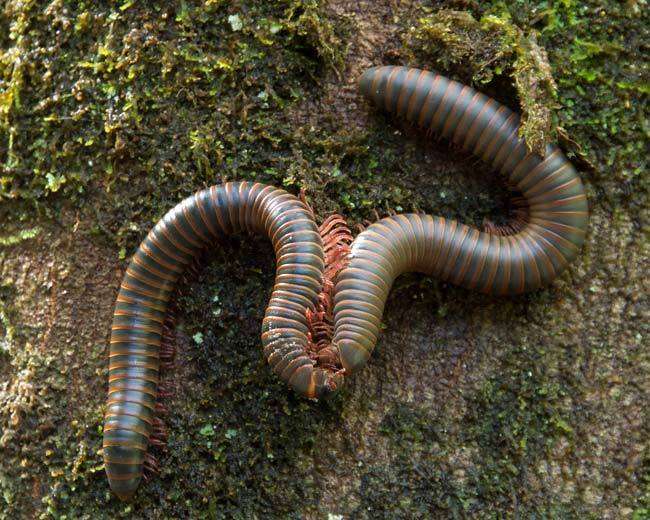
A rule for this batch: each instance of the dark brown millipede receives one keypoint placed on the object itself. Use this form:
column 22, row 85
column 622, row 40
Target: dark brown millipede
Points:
column 547, row 238
column 198, row 222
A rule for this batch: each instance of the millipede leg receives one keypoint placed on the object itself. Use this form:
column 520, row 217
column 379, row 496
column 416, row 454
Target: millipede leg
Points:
column 517, row 218
column 151, row 467
column 336, row 238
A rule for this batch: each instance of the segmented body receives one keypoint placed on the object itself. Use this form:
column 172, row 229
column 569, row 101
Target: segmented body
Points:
column 545, row 242
column 183, row 233
column 299, row 317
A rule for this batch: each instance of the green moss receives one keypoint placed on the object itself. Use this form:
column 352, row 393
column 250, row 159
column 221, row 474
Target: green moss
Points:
column 500, row 452
column 23, row 234
column 642, row 511
column 112, row 76
column 485, row 48
column 305, row 20
column 516, row 420
column 450, row 39
column 594, row 92
column 7, row 317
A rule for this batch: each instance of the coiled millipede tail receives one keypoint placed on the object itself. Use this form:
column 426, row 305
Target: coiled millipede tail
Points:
column 323, row 319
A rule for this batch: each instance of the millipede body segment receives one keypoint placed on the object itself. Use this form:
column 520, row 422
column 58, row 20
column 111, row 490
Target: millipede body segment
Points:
column 196, row 223
column 550, row 236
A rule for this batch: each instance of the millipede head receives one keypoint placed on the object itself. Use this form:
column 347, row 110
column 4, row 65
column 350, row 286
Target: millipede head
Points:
column 332, row 385
column 317, row 382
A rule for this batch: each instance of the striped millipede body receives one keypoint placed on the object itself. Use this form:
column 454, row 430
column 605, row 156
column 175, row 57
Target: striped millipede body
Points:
column 544, row 243
column 548, row 239
column 198, row 222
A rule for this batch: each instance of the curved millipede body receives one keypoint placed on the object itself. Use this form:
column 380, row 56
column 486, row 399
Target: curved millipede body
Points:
column 547, row 240
column 194, row 224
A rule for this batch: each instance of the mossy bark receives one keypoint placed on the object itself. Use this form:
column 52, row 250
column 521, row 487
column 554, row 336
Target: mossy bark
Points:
column 471, row 406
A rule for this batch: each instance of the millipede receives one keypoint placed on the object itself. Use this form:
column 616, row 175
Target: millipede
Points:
column 531, row 251
column 323, row 318
column 140, row 315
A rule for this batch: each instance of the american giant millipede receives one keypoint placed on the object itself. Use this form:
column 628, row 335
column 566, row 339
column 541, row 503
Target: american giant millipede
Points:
column 548, row 237
column 137, row 332
column 545, row 241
